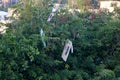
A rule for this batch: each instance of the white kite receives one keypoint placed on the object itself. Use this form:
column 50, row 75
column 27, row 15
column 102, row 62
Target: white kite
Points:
column 68, row 46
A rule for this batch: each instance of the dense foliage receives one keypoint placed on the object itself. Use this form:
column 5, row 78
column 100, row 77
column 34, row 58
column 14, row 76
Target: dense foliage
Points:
column 96, row 46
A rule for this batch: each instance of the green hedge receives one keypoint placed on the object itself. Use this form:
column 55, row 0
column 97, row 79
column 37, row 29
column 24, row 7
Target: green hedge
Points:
column 96, row 44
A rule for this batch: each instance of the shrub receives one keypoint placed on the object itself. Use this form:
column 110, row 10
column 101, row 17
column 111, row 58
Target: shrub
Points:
column 106, row 74
column 117, row 71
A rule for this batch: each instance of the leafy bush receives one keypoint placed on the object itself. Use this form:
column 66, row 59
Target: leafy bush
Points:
column 117, row 70
column 96, row 44
column 106, row 74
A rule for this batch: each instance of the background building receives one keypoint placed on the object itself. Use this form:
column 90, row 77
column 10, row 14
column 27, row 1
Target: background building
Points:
column 6, row 3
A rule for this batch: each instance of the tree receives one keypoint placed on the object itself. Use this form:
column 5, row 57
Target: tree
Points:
column 96, row 47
